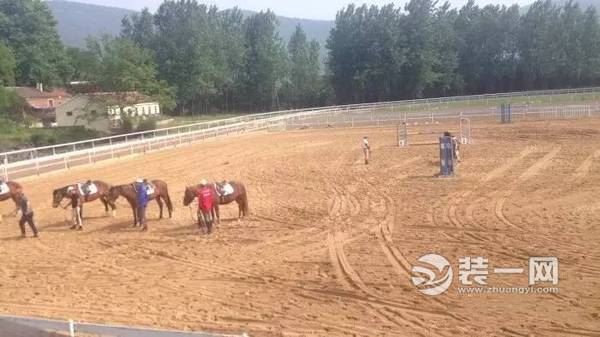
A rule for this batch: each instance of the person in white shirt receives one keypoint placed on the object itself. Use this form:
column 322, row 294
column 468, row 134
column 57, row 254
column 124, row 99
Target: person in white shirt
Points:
column 366, row 149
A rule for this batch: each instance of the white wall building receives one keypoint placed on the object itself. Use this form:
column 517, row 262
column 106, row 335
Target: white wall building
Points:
column 105, row 111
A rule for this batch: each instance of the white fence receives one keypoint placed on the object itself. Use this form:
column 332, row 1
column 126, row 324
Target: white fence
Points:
column 74, row 328
column 374, row 117
column 35, row 161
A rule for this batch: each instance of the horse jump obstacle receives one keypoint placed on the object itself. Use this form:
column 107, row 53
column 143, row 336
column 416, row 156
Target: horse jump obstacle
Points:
column 464, row 134
column 447, row 159
column 506, row 113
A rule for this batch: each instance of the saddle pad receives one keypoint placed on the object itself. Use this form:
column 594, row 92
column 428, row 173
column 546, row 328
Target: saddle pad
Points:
column 150, row 189
column 4, row 188
column 92, row 189
column 227, row 189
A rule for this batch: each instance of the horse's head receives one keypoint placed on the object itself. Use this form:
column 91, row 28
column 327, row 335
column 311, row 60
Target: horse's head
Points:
column 58, row 196
column 189, row 196
column 113, row 194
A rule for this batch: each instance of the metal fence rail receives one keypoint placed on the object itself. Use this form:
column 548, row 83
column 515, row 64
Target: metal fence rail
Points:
column 389, row 118
column 21, row 163
column 104, row 330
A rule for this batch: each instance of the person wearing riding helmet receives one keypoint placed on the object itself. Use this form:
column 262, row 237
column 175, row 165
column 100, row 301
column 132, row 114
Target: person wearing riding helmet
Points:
column 366, row 149
column 455, row 146
column 206, row 200
column 26, row 215
column 142, row 201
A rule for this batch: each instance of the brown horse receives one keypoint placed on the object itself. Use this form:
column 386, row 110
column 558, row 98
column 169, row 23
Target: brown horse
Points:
column 72, row 193
column 14, row 193
column 161, row 194
column 239, row 195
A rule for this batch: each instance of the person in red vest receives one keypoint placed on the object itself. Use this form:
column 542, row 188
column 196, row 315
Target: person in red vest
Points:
column 206, row 199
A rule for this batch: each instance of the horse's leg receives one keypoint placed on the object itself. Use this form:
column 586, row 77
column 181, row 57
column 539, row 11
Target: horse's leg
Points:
column 77, row 218
column 213, row 212
column 105, row 203
column 134, row 209
column 160, row 206
column 240, row 208
column 217, row 209
column 112, row 205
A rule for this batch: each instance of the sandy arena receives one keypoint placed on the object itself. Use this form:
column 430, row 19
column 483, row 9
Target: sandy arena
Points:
column 330, row 243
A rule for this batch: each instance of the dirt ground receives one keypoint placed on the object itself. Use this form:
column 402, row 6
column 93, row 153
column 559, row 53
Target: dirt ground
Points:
column 330, row 244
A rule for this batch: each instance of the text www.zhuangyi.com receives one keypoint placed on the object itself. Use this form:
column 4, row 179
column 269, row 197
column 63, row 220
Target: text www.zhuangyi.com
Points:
column 508, row 290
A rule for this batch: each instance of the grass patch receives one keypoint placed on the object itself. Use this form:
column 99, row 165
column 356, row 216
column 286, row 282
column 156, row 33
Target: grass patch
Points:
column 15, row 136
column 185, row 120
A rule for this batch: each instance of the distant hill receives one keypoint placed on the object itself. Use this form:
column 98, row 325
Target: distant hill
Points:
column 77, row 21
column 583, row 4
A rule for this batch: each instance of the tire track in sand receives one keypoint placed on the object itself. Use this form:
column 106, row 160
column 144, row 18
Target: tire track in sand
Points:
column 341, row 211
column 531, row 172
column 452, row 208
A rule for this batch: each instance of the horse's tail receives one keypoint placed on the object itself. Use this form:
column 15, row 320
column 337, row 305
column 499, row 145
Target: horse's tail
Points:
column 168, row 201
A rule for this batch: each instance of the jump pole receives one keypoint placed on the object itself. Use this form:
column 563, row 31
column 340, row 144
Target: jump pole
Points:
column 402, row 134
column 465, row 131
column 446, row 157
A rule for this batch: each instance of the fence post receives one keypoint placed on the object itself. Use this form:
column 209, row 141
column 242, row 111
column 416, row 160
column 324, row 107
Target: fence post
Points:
column 94, row 151
column 71, row 328
column 37, row 164
column 5, row 167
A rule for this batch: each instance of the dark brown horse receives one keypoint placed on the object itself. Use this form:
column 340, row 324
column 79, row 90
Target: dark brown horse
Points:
column 239, row 195
column 14, row 193
column 73, row 193
column 161, row 195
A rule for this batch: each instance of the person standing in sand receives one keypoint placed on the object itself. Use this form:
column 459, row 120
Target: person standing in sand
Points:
column 26, row 216
column 366, row 147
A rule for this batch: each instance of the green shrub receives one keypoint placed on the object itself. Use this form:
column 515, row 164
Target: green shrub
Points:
column 37, row 139
column 147, row 125
column 127, row 125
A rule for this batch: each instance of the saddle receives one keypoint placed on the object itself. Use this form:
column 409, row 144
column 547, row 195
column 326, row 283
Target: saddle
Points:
column 150, row 188
column 225, row 189
column 87, row 189
column 4, row 189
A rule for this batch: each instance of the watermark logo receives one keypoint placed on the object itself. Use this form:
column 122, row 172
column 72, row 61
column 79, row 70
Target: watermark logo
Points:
column 434, row 275
column 436, row 278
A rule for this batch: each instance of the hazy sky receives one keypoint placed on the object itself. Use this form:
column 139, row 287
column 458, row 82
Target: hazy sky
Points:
column 310, row 9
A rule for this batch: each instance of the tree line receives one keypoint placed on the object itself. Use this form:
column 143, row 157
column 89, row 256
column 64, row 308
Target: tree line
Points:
column 430, row 50
column 195, row 58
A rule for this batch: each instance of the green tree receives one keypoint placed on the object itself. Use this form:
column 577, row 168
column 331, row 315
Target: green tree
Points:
column 264, row 61
column 590, row 42
column 366, row 53
column 11, row 105
column 185, row 51
column 447, row 80
column 7, row 66
column 304, row 73
column 29, row 30
column 84, row 64
column 123, row 66
column 139, row 28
